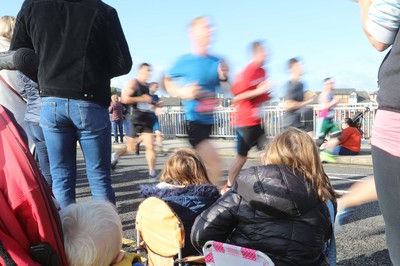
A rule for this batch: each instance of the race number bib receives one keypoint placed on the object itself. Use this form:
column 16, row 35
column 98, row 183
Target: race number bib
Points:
column 206, row 105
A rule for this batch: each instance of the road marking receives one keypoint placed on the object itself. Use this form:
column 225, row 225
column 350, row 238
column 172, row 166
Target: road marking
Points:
column 340, row 174
column 341, row 191
column 347, row 179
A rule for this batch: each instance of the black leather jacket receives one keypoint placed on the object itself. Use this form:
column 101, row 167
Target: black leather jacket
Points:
column 80, row 44
column 273, row 210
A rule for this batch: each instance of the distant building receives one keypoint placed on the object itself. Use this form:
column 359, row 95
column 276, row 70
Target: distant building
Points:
column 350, row 96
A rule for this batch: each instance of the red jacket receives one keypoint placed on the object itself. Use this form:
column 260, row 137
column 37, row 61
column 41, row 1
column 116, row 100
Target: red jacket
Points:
column 249, row 110
column 351, row 139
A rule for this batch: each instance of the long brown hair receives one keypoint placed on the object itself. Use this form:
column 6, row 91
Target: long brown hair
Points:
column 295, row 148
column 185, row 167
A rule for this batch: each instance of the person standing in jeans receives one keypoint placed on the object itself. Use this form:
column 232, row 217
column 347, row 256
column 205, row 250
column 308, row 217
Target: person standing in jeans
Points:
column 30, row 91
column 79, row 51
column 116, row 110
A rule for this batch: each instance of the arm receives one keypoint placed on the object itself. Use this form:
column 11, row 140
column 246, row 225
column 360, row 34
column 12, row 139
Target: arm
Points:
column 21, row 38
column 186, row 92
column 290, row 104
column 380, row 21
column 110, row 109
column 217, row 222
column 129, row 90
column 262, row 88
column 223, row 71
column 117, row 48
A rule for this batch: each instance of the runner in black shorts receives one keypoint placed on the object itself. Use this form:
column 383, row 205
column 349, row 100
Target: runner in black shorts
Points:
column 250, row 88
column 197, row 132
column 139, row 113
column 248, row 137
column 194, row 78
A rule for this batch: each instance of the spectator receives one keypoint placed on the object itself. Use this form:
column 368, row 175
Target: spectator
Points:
column 30, row 91
column 278, row 208
column 186, row 188
column 79, row 51
column 381, row 23
column 350, row 141
column 9, row 81
column 93, row 235
column 116, row 110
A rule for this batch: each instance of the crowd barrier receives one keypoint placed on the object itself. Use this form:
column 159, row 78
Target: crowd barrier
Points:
column 172, row 119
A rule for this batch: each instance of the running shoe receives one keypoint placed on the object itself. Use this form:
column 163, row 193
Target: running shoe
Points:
column 326, row 156
column 225, row 189
column 114, row 160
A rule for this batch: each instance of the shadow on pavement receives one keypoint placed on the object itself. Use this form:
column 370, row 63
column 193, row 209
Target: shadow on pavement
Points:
column 379, row 258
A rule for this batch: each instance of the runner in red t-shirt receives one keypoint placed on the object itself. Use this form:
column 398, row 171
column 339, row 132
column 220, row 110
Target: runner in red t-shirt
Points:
column 251, row 90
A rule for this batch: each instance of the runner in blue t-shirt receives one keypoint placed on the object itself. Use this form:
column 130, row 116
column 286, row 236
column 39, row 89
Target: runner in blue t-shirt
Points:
column 194, row 78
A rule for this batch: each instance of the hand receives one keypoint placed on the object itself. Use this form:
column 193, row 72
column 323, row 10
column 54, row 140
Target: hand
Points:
column 264, row 87
column 160, row 103
column 145, row 98
column 190, row 91
column 223, row 70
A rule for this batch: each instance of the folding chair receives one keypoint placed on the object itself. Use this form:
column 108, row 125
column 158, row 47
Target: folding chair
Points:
column 219, row 254
column 162, row 233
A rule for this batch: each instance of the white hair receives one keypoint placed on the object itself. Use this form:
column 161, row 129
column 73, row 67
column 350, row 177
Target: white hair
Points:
column 92, row 233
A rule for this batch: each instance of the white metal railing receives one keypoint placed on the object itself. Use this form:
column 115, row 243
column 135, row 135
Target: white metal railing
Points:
column 172, row 120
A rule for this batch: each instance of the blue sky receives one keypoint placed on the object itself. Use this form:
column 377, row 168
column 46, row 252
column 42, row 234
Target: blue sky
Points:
column 326, row 35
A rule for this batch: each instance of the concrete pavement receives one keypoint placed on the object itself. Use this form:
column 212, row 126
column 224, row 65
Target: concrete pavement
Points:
column 227, row 148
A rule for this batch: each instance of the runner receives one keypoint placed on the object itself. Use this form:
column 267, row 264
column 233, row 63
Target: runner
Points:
column 251, row 90
column 199, row 74
column 137, row 97
column 294, row 103
column 326, row 115
column 156, row 110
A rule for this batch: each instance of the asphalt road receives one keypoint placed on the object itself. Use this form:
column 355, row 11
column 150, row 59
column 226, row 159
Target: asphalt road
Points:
column 360, row 241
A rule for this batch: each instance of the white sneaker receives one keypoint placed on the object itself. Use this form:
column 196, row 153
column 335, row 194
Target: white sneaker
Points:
column 114, row 160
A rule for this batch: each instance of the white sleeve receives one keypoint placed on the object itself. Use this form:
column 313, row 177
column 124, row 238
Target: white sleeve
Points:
column 384, row 20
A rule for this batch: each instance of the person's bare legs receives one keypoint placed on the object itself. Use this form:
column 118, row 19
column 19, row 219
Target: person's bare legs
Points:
column 331, row 144
column 159, row 139
column 212, row 161
column 359, row 193
column 148, row 140
column 235, row 168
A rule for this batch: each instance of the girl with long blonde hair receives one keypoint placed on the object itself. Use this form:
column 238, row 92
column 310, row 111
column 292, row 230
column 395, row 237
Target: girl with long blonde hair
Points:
column 279, row 208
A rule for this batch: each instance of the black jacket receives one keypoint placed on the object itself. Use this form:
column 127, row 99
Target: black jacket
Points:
column 80, row 44
column 273, row 210
column 187, row 202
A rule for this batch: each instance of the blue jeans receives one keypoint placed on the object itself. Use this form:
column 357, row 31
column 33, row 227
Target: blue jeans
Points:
column 35, row 132
column 340, row 150
column 64, row 122
column 118, row 126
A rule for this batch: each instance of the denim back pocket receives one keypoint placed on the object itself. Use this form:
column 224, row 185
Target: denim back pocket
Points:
column 94, row 117
column 48, row 114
